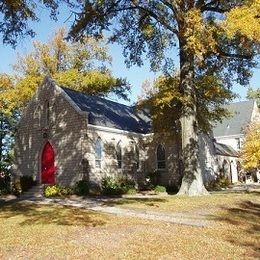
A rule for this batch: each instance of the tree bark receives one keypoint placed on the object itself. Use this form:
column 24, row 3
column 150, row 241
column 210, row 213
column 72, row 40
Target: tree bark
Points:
column 192, row 182
column 1, row 140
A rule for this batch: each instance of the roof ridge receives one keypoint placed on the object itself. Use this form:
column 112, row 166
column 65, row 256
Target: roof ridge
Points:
column 243, row 101
column 96, row 96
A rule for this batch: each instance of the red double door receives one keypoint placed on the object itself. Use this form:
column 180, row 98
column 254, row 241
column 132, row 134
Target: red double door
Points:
column 48, row 165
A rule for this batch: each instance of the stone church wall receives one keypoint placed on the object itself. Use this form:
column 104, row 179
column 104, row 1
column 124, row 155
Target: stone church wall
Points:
column 65, row 130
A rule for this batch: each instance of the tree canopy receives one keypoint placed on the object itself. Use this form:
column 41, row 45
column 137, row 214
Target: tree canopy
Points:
column 250, row 152
column 214, row 50
column 81, row 66
column 16, row 16
column 254, row 94
column 165, row 101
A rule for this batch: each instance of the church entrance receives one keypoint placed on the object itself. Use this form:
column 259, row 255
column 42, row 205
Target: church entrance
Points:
column 47, row 165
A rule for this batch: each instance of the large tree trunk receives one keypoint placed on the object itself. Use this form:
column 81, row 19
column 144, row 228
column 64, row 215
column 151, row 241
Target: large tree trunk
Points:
column 192, row 182
column 1, row 141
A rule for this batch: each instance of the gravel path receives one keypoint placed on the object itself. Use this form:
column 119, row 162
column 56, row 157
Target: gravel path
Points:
column 99, row 205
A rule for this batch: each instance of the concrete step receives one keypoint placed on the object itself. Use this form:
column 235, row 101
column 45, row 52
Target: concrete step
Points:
column 34, row 192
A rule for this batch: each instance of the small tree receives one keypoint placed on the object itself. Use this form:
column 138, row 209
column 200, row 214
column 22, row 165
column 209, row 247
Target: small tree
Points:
column 250, row 152
column 254, row 94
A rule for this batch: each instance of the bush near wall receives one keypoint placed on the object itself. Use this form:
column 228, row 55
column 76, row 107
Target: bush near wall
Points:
column 159, row 189
column 57, row 191
column 117, row 185
column 220, row 183
column 27, row 182
column 22, row 184
column 82, row 188
column 5, row 183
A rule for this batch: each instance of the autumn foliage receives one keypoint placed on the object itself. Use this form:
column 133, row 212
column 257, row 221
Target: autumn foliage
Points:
column 83, row 66
column 250, row 152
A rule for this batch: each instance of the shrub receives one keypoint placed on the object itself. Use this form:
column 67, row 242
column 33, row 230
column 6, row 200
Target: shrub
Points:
column 82, row 187
column 220, row 183
column 65, row 191
column 159, row 189
column 116, row 186
column 111, row 186
column 151, row 180
column 52, row 191
column 131, row 191
column 26, row 183
column 5, row 183
column 16, row 188
column 57, row 191
column 172, row 189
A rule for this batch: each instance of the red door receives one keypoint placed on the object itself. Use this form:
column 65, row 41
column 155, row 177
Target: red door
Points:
column 47, row 167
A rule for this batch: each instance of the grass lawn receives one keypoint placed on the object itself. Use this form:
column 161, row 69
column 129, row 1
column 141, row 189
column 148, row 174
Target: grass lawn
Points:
column 31, row 231
column 188, row 204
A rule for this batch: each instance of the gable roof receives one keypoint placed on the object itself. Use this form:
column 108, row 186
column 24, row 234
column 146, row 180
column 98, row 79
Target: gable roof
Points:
column 226, row 150
column 104, row 112
column 234, row 125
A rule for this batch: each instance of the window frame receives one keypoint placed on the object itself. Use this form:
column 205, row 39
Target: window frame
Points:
column 98, row 153
column 160, row 161
column 119, row 155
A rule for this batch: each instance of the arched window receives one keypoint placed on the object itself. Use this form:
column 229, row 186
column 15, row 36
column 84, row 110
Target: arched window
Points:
column 119, row 155
column 160, row 155
column 98, row 153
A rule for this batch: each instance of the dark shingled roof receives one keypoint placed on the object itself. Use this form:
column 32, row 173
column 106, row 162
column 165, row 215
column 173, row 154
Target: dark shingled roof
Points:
column 234, row 125
column 226, row 150
column 103, row 112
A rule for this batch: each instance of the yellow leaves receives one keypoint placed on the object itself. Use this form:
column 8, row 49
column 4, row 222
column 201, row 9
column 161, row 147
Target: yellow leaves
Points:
column 90, row 82
column 244, row 20
column 81, row 66
column 198, row 34
column 212, row 88
column 250, row 152
column 147, row 30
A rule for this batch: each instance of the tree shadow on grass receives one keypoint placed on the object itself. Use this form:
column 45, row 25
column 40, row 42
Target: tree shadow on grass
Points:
column 142, row 201
column 35, row 214
column 246, row 216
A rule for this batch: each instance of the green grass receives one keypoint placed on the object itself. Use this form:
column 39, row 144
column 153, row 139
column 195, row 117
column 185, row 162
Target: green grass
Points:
column 31, row 231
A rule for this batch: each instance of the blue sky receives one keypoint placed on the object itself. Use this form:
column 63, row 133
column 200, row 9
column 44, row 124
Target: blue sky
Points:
column 135, row 75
